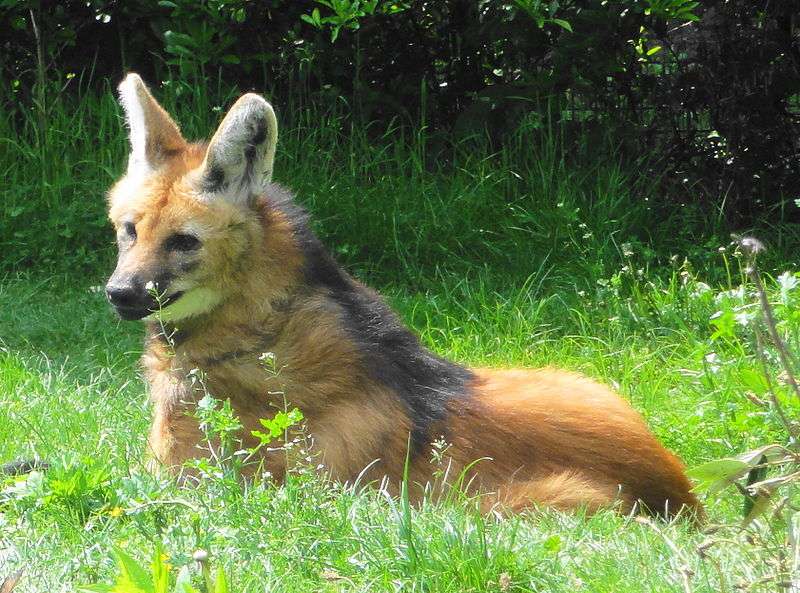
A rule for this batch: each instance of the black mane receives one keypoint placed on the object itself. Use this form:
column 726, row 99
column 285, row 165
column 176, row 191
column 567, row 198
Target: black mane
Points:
column 392, row 354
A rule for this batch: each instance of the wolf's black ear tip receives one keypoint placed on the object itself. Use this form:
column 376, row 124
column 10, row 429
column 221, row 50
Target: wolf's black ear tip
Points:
column 259, row 132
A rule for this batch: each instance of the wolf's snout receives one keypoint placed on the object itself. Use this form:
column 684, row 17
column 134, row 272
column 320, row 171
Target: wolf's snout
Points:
column 123, row 296
column 129, row 300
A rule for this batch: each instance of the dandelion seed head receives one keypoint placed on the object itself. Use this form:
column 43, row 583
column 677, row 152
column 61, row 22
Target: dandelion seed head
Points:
column 751, row 245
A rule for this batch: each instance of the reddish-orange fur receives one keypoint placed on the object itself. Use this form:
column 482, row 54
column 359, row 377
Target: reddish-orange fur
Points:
column 520, row 437
column 548, row 428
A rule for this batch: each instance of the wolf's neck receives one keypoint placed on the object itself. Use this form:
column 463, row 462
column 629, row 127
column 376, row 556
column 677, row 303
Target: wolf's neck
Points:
column 333, row 334
column 390, row 354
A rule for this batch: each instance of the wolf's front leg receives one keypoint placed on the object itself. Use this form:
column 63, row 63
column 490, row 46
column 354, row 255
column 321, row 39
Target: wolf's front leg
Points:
column 175, row 435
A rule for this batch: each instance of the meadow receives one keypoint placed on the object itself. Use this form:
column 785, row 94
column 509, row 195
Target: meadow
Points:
column 550, row 250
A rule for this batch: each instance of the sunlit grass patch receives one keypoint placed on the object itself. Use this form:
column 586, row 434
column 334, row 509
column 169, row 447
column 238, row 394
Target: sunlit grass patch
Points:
column 83, row 407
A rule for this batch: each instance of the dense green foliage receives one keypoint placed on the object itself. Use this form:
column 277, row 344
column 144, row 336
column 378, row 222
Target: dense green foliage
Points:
column 712, row 89
column 547, row 202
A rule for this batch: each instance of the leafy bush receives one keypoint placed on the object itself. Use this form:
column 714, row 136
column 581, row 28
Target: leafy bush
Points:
column 711, row 87
column 80, row 487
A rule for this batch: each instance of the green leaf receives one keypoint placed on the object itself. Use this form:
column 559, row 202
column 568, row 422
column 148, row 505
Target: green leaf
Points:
column 132, row 577
column 180, row 51
column 754, row 381
column 563, row 24
column 221, row 584
column 755, row 507
column 183, row 584
column 174, row 36
column 772, row 452
column 306, row 18
column 653, row 50
column 262, row 436
column 160, row 571
column 724, row 322
column 716, row 475
column 552, row 544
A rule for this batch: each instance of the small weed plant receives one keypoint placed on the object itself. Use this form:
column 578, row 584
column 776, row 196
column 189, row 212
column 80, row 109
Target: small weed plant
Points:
column 132, row 577
column 756, row 334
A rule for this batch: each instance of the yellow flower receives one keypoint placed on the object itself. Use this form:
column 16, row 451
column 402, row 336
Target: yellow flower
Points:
column 117, row 512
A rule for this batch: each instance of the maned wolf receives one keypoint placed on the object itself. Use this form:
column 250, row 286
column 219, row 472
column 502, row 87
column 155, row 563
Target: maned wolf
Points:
column 240, row 273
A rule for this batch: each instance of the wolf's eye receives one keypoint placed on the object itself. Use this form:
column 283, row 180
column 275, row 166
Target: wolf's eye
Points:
column 182, row 242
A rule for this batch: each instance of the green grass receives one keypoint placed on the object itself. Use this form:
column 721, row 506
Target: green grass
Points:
column 72, row 394
column 543, row 252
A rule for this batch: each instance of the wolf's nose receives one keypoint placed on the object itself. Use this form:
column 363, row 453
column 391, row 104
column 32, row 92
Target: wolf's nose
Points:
column 123, row 296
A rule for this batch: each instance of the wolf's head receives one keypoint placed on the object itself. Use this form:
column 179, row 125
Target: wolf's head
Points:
column 186, row 214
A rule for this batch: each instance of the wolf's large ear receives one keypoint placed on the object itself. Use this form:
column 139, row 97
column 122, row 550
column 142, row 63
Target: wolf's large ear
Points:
column 239, row 158
column 154, row 135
